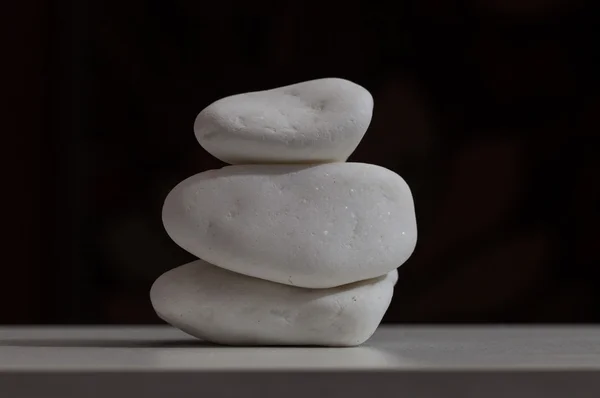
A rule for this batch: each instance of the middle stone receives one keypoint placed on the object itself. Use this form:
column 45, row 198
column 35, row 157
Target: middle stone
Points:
column 315, row 226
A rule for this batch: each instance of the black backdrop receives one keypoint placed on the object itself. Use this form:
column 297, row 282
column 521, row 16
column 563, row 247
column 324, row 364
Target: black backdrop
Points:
column 487, row 108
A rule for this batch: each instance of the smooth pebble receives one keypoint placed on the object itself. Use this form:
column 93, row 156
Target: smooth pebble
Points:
column 228, row 308
column 316, row 121
column 314, row 226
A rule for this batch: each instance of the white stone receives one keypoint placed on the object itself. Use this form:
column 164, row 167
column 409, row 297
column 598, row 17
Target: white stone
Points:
column 311, row 122
column 228, row 308
column 315, row 226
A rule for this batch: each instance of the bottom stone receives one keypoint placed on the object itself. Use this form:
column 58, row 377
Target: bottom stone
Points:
column 224, row 307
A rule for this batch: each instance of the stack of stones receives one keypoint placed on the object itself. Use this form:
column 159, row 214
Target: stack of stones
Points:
column 295, row 246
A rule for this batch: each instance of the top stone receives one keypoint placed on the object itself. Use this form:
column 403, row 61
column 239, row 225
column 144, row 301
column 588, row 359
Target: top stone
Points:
column 317, row 121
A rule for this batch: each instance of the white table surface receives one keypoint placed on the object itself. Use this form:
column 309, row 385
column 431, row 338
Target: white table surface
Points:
column 426, row 361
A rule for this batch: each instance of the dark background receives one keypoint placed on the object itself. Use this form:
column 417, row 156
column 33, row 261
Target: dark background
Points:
column 488, row 109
